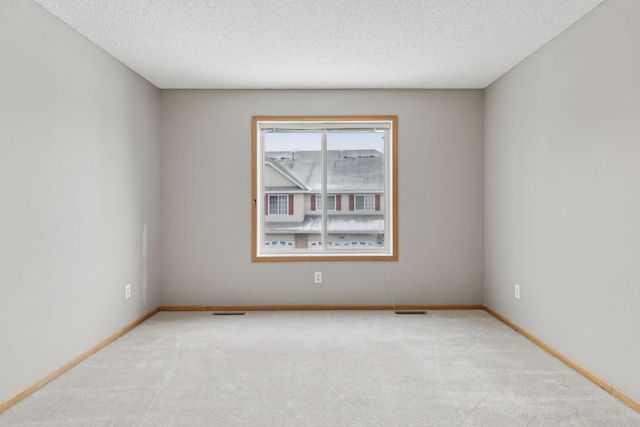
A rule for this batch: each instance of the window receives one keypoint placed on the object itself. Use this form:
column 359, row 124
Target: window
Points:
column 365, row 203
column 278, row 205
column 331, row 203
column 324, row 188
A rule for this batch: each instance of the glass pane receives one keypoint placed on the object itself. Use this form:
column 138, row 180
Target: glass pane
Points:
column 368, row 202
column 273, row 204
column 356, row 176
column 331, row 203
column 291, row 174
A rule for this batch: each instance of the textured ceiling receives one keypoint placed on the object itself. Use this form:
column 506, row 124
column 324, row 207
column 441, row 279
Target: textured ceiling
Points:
column 320, row 44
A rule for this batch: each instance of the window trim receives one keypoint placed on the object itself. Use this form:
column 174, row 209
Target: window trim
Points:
column 392, row 192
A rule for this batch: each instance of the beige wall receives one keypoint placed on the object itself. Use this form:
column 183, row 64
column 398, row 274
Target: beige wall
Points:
column 206, row 200
column 79, row 180
column 562, row 193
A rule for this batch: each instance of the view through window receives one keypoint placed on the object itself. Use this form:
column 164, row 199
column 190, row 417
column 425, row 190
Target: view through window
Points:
column 349, row 162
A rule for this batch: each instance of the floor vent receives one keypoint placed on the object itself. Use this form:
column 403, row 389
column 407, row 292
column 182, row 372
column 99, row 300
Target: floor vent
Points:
column 410, row 312
column 229, row 313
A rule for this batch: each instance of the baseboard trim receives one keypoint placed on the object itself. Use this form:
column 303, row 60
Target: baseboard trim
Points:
column 317, row 307
column 61, row 370
column 623, row 397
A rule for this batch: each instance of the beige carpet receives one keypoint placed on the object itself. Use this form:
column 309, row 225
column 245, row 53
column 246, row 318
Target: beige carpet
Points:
column 323, row 368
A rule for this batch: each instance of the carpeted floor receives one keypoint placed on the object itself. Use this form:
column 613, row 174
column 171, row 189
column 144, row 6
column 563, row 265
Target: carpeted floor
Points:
column 321, row 368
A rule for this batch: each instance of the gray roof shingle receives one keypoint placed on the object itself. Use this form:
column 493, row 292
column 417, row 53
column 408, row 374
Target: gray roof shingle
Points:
column 348, row 171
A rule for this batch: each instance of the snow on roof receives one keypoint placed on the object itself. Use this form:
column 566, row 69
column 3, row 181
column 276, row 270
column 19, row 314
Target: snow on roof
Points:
column 283, row 189
column 365, row 224
column 347, row 170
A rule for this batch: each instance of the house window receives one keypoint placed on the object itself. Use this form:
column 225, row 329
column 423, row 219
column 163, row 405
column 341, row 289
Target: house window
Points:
column 340, row 173
column 365, row 203
column 278, row 205
column 331, row 203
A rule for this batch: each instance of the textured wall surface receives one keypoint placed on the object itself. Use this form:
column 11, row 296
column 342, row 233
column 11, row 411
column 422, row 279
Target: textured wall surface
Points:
column 562, row 196
column 206, row 201
column 79, row 180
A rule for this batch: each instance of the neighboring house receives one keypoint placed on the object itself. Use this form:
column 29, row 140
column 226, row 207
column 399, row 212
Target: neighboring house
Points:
column 293, row 199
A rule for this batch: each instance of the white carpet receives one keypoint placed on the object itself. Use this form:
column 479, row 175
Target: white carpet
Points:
column 322, row 368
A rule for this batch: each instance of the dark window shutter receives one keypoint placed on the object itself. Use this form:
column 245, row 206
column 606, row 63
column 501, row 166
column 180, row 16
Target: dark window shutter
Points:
column 290, row 204
column 266, row 205
column 377, row 202
column 313, row 202
column 338, row 202
column 352, row 202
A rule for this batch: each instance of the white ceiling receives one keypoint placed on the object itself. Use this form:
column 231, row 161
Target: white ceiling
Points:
column 320, row 44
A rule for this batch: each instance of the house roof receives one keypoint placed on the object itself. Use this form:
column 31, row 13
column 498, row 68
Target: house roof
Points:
column 353, row 224
column 348, row 171
column 288, row 189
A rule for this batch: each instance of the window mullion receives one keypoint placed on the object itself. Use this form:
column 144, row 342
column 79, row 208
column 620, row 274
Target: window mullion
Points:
column 262, row 199
column 323, row 189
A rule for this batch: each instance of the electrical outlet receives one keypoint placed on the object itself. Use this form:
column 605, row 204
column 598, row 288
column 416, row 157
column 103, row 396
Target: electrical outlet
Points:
column 145, row 286
column 317, row 277
column 517, row 291
column 127, row 291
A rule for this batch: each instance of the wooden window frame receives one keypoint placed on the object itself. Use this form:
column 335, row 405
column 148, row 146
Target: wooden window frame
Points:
column 324, row 257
